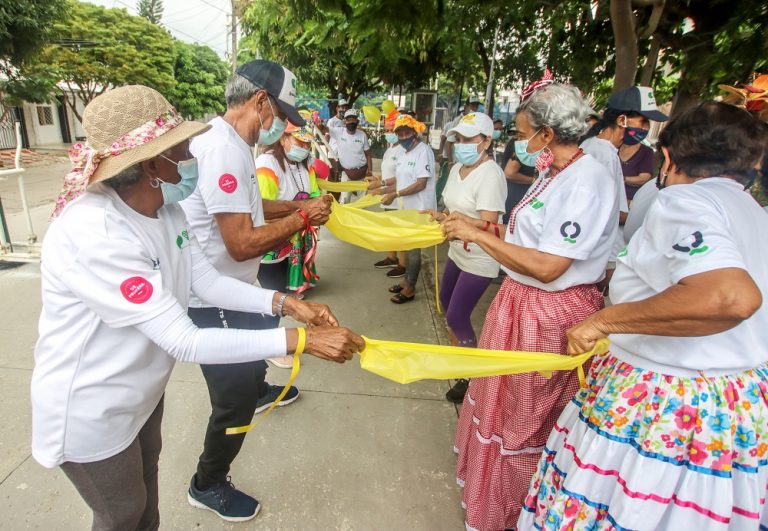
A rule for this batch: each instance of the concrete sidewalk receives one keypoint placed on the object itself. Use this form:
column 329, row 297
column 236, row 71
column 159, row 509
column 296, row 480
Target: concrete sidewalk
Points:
column 355, row 452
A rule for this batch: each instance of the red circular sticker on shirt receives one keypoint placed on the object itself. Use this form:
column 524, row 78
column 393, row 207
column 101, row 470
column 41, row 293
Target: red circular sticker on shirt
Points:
column 228, row 183
column 137, row 290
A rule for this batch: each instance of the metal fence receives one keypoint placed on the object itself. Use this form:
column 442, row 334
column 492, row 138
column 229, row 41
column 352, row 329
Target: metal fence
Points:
column 7, row 129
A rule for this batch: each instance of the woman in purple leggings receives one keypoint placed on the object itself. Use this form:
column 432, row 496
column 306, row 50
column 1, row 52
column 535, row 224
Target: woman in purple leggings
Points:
column 476, row 188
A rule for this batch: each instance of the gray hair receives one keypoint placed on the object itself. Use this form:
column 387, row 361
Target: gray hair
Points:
column 559, row 107
column 239, row 90
column 132, row 174
column 128, row 177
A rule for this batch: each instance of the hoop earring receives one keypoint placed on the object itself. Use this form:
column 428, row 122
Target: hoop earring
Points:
column 154, row 182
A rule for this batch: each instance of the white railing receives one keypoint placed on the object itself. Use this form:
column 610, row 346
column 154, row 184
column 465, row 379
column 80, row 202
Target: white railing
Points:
column 7, row 251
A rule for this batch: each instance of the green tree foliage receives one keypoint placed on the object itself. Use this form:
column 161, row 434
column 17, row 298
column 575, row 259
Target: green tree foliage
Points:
column 118, row 49
column 25, row 27
column 201, row 77
column 151, row 10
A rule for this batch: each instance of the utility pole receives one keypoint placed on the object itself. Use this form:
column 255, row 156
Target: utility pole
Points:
column 233, row 35
column 489, row 89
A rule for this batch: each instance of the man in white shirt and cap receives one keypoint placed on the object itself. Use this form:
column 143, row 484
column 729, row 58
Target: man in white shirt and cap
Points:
column 354, row 152
column 446, row 142
column 228, row 217
column 336, row 121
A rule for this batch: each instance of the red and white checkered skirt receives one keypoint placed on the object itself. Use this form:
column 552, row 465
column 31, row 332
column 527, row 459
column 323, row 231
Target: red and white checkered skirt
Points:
column 505, row 420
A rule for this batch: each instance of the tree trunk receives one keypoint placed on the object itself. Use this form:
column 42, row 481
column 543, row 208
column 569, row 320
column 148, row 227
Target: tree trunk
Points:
column 651, row 60
column 689, row 90
column 625, row 39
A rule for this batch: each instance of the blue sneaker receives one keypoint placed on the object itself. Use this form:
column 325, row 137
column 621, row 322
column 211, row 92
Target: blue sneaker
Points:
column 263, row 403
column 224, row 500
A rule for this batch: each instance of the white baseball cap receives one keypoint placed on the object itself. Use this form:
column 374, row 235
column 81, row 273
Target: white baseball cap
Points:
column 342, row 101
column 473, row 124
column 351, row 113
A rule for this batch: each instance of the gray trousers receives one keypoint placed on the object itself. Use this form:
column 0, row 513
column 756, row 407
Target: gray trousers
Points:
column 122, row 490
column 413, row 268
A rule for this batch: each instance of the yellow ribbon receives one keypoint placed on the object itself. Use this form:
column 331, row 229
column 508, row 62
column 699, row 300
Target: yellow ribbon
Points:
column 347, row 186
column 399, row 230
column 409, row 362
column 365, row 201
column 300, row 343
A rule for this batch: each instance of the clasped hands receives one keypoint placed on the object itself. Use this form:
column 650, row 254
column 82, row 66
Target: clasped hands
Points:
column 325, row 338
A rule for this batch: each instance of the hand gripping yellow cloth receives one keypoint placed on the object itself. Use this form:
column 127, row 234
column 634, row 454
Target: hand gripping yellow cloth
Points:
column 347, row 186
column 409, row 362
column 399, row 230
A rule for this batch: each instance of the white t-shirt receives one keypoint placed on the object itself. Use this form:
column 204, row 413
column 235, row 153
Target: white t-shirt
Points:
column 388, row 166
column 690, row 229
column 105, row 268
column 350, row 147
column 418, row 163
column 450, row 138
column 293, row 180
column 227, row 184
column 485, row 188
column 608, row 154
column 644, row 198
column 334, row 123
column 575, row 215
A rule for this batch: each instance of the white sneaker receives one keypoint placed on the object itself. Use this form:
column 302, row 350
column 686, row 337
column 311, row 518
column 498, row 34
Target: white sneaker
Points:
column 282, row 362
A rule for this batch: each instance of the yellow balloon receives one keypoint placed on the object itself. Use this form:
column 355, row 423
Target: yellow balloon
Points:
column 388, row 106
column 372, row 114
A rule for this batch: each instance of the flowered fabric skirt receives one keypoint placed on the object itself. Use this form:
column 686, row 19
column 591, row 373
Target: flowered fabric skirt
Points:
column 300, row 272
column 642, row 450
column 505, row 420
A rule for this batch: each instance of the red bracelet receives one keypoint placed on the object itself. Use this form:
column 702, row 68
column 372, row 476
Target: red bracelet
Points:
column 304, row 216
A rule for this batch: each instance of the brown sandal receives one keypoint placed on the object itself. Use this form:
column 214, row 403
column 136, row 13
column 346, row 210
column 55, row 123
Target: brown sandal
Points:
column 399, row 298
column 397, row 288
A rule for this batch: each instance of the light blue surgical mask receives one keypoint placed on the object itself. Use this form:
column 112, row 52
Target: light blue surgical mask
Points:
column 496, row 134
column 521, row 151
column 391, row 138
column 175, row 192
column 466, row 154
column 297, row 154
column 276, row 130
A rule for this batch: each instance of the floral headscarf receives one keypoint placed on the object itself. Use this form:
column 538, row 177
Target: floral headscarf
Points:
column 405, row 120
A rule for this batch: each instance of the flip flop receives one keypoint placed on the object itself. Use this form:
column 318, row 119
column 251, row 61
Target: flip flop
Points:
column 397, row 288
column 399, row 298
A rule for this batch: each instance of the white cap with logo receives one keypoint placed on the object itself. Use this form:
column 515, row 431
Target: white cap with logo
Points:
column 473, row 124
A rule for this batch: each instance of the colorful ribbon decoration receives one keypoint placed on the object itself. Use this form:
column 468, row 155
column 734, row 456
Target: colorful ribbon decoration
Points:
column 409, row 362
column 346, row 186
column 300, row 344
column 309, row 256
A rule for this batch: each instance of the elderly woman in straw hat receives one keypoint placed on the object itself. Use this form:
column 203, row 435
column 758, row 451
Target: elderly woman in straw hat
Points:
column 119, row 264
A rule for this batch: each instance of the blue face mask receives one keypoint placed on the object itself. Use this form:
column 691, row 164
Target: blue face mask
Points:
column 466, row 154
column 521, row 151
column 173, row 193
column 297, row 154
column 276, row 130
column 391, row 138
column 496, row 134
column 407, row 142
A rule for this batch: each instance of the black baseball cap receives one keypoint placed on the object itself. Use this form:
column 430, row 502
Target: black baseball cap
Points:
column 278, row 81
column 637, row 99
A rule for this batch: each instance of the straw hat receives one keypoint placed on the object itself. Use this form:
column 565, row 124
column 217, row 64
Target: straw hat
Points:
column 131, row 124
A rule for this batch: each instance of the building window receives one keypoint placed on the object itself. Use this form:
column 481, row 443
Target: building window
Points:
column 44, row 115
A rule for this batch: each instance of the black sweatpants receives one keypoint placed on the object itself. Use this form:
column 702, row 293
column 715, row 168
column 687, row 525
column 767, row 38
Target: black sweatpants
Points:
column 234, row 389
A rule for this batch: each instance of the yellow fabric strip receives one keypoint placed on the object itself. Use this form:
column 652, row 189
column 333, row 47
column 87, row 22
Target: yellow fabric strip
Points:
column 409, row 362
column 365, row 201
column 348, row 186
column 294, row 373
column 437, row 285
column 399, row 230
